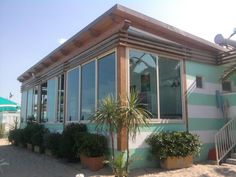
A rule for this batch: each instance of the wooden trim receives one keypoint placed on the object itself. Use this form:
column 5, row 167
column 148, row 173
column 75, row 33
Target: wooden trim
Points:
column 121, row 90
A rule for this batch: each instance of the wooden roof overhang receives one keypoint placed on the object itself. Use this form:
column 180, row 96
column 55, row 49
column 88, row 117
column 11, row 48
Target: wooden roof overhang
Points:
column 111, row 29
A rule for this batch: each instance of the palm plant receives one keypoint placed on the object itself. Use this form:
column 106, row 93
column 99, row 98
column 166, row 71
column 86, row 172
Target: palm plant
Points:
column 106, row 118
column 134, row 115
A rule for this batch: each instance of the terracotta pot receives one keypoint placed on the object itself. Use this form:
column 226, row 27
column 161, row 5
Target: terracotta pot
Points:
column 92, row 163
column 29, row 146
column 177, row 162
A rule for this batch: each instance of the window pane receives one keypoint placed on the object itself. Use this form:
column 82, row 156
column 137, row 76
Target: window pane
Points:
column 143, row 78
column 44, row 102
column 60, row 99
column 35, row 104
column 51, row 100
column 106, row 76
column 30, row 104
column 72, row 95
column 170, row 89
column 23, row 106
column 87, row 90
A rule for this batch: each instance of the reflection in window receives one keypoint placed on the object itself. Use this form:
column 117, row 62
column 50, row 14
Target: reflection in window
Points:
column 106, row 76
column 60, row 99
column 35, row 104
column 72, row 94
column 143, row 78
column 30, row 104
column 43, row 107
column 170, row 89
column 51, row 99
column 23, row 106
column 87, row 90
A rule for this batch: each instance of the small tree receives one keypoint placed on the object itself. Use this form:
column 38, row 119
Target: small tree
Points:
column 134, row 115
column 106, row 118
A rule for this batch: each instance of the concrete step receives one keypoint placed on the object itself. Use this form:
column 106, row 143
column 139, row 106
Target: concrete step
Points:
column 233, row 155
column 231, row 161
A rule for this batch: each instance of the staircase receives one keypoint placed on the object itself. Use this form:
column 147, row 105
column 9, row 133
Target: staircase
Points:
column 232, row 159
column 225, row 142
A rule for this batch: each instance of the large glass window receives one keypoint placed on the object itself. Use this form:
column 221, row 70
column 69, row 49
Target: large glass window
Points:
column 43, row 107
column 35, row 104
column 87, row 90
column 60, row 99
column 170, row 89
column 51, row 99
column 30, row 104
column 106, row 76
column 23, row 106
column 143, row 79
column 163, row 87
column 72, row 95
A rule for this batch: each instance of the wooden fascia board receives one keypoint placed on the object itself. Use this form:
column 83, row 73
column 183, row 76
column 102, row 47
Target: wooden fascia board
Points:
column 164, row 30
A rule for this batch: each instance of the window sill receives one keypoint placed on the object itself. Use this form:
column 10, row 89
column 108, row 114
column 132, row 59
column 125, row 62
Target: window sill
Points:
column 166, row 121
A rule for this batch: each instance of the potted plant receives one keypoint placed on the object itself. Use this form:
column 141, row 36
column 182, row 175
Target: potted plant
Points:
column 174, row 149
column 51, row 143
column 68, row 148
column 37, row 137
column 92, row 150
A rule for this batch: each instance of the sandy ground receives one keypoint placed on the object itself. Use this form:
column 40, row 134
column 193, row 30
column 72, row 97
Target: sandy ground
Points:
column 23, row 163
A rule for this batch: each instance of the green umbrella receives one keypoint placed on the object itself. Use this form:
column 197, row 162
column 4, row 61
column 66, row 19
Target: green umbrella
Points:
column 8, row 105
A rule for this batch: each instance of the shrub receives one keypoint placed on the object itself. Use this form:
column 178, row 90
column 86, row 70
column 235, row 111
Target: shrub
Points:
column 68, row 147
column 37, row 135
column 179, row 144
column 52, row 142
column 91, row 145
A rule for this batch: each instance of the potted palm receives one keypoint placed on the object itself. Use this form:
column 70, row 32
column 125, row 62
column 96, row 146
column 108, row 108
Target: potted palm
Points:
column 106, row 119
column 92, row 149
column 133, row 116
column 174, row 149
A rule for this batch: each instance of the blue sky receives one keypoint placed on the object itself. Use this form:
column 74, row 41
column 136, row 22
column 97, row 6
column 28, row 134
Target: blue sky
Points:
column 29, row 30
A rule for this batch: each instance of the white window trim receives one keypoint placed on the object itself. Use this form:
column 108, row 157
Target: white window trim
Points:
column 159, row 119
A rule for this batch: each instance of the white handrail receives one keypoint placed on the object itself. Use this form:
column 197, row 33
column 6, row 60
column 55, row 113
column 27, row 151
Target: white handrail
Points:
column 225, row 139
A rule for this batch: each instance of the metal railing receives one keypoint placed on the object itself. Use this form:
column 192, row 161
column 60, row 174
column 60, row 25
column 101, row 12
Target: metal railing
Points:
column 225, row 139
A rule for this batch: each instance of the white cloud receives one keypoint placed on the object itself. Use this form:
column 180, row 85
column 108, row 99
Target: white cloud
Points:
column 62, row 40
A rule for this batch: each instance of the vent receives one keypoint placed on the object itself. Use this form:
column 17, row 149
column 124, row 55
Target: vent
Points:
column 199, row 82
column 226, row 86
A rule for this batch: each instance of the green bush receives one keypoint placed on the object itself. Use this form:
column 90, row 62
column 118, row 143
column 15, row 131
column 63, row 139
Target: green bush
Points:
column 68, row 147
column 91, row 145
column 179, row 144
column 52, row 142
column 37, row 135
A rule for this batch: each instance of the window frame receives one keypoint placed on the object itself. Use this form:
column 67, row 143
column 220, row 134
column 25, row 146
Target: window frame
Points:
column 66, row 111
column 114, row 50
column 183, row 85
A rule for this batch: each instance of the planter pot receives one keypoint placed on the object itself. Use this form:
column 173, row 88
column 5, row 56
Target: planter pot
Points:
column 48, row 152
column 30, row 147
column 177, row 162
column 37, row 149
column 92, row 163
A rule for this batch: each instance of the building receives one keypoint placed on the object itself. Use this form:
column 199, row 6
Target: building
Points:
column 177, row 74
column 9, row 115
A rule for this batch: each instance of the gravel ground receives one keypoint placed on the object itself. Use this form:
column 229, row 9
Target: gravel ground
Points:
column 23, row 163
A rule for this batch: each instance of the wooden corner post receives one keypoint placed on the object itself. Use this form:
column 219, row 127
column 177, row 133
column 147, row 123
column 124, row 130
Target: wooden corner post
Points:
column 121, row 91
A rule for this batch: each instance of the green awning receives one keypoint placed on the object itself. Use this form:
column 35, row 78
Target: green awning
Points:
column 8, row 105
